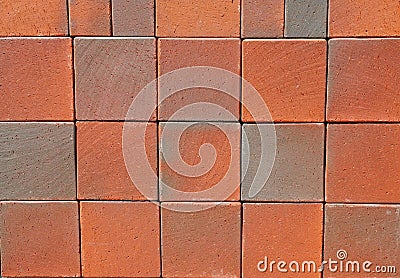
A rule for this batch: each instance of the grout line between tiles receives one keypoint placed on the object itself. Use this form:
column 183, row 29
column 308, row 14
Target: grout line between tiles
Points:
column 158, row 148
column 204, row 38
column 204, row 201
column 325, row 135
column 76, row 154
column 68, row 19
column 284, row 20
column 111, row 19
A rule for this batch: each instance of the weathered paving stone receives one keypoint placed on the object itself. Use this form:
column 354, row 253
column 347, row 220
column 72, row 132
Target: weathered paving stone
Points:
column 110, row 73
column 37, row 161
column 133, row 18
column 305, row 18
column 297, row 173
column 365, row 233
column 262, row 18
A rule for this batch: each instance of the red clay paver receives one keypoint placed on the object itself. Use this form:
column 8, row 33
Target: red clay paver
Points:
column 363, row 163
column 262, row 18
column 90, row 17
column 290, row 77
column 201, row 244
column 191, row 18
column 221, row 179
column 365, row 233
column 120, row 239
column 39, row 239
column 36, row 79
column 219, row 53
column 349, row 18
column 281, row 232
column 102, row 172
column 363, row 80
column 33, row 18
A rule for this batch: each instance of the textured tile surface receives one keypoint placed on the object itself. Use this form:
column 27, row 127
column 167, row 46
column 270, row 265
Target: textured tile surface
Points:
column 363, row 163
column 36, row 79
column 284, row 232
column 306, row 18
column 262, row 18
column 133, row 18
column 374, row 95
column 366, row 233
column 215, row 173
column 297, row 173
column 110, row 73
column 90, row 17
column 37, row 161
column 120, row 239
column 206, row 18
column 102, row 172
column 290, row 77
column 219, row 53
column 39, row 239
column 33, row 18
column 364, row 18
column 201, row 244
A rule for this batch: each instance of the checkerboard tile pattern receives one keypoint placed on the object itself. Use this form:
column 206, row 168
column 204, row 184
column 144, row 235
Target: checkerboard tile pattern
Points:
column 89, row 187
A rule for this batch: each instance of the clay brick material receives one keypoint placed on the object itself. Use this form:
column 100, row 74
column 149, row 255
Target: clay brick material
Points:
column 90, row 17
column 223, row 175
column 363, row 164
column 201, row 244
column 37, row 161
column 39, row 239
column 297, row 174
column 305, row 18
column 120, row 239
column 366, row 233
column 364, row 18
column 262, row 18
column 36, row 79
column 374, row 94
column 110, row 73
column 33, row 18
column 102, row 172
column 205, row 18
column 220, row 53
column 290, row 77
column 133, row 18
column 281, row 232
